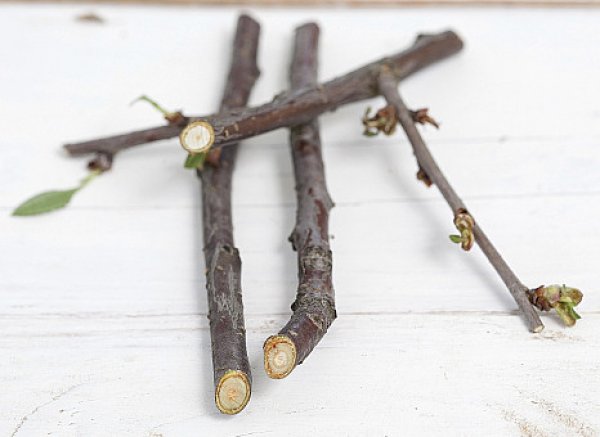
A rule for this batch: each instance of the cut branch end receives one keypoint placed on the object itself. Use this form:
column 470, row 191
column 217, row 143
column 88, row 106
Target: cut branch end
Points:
column 280, row 356
column 197, row 137
column 233, row 392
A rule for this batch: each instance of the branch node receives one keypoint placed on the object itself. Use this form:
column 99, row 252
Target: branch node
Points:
column 422, row 116
column 384, row 120
column 424, row 177
column 464, row 223
column 214, row 157
column 101, row 162
column 174, row 118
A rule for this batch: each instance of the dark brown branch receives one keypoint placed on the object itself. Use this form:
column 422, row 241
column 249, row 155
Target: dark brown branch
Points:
column 314, row 307
column 293, row 107
column 520, row 293
column 223, row 265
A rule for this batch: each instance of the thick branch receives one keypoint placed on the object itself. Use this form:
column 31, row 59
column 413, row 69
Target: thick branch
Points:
column 314, row 307
column 293, row 107
column 520, row 293
column 223, row 265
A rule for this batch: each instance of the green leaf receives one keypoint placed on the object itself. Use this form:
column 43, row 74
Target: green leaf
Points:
column 195, row 160
column 45, row 202
column 52, row 200
column 567, row 314
column 456, row 239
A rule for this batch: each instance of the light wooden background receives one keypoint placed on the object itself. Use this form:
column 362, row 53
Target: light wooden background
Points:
column 102, row 306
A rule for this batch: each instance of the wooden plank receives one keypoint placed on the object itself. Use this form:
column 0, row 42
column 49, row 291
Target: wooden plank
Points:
column 387, row 256
column 378, row 375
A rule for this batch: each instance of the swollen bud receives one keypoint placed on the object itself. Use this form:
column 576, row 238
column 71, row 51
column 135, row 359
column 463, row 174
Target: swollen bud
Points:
column 560, row 297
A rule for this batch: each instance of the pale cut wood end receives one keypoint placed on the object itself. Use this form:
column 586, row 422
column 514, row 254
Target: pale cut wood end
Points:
column 197, row 137
column 280, row 356
column 233, row 392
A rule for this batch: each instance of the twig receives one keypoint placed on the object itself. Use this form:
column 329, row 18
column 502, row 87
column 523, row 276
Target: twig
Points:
column 293, row 107
column 314, row 307
column 223, row 265
column 463, row 219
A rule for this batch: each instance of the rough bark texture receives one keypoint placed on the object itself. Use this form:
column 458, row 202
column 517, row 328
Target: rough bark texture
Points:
column 314, row 307
column 520, row 293
column 223, row 265
column 296, row 106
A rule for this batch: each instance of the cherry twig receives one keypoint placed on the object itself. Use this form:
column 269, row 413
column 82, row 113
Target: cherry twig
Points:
column 314, row 306
column 231, row 368
column 288, row 108
column 562, row 298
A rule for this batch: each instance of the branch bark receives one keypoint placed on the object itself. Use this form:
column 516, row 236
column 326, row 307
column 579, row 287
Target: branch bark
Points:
column 232, row 375
column 314, row 307
column 519, row 292
column 293, row 107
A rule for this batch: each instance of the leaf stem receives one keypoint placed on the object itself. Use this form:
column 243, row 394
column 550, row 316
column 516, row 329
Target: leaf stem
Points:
column 89, row 178
column 154, row 103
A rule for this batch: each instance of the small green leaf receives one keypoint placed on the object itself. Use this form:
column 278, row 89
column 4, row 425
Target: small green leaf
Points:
column 45, row 202
column 567, row 313
column 52, row 200
column 195, row 160
column 456, row 239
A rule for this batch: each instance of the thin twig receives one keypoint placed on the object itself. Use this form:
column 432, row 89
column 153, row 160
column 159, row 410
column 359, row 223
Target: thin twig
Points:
column 388, row 88
column 292, row 107
column 232, row 375
column 314, row 307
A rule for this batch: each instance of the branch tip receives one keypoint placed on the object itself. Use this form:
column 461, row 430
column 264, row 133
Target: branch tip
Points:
column 560, row 297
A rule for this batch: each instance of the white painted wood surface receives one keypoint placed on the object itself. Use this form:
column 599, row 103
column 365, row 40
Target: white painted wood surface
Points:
column 102, row 306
